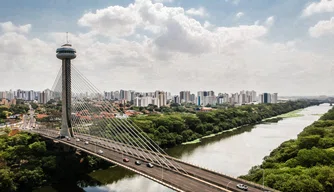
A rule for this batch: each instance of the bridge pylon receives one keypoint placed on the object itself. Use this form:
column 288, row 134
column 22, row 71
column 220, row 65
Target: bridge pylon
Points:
column 66, row 53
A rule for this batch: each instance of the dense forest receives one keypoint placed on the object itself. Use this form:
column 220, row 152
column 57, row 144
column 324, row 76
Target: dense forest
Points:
column 27, row 161
column 305, row 164
column 170, row 129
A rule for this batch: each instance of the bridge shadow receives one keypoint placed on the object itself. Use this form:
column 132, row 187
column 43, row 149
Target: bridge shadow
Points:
column 72, row 169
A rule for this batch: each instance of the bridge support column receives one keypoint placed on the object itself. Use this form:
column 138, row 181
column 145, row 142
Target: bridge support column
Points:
column 66, row 127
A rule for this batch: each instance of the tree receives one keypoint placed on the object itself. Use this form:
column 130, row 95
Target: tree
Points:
column 6, row 180
column 34, row 105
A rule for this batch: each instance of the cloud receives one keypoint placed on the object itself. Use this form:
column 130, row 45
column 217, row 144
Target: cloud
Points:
column 239, row 14
column 322, row 28
column 270, row 21
column 207, row 25
column 318, row 7
column 173, row 30
column 197, row 12
column 112, row 21
column 162, row 47
column 10, row 27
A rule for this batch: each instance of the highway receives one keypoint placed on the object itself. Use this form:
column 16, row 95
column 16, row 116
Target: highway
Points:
column 196, row 179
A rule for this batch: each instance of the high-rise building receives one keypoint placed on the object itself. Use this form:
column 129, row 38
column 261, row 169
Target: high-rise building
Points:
column 145, row 101
column 162, row 96
column 193, row 98
column 274, row 98
column 254, row 97
column 265, row 98
column 209, row 100
column 185, row 96
column 117, row 95
column 176, row 99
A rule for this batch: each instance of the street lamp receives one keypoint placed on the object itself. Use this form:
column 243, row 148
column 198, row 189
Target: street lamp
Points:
column 228, row 184
column 162, row 173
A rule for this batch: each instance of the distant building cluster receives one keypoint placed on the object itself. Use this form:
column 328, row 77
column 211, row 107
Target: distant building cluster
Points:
column 203, row 98
column 139, row 99
column 143, row 99
column 37, row 96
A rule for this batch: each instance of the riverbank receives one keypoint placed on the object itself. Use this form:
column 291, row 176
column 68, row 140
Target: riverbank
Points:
column 302, row 164
column 212, row 135
column 172, row 129
column 291, row 114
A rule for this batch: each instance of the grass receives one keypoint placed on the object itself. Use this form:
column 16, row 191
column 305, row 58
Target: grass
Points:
column 208, row 136
column 192, row 142
column 295, row 113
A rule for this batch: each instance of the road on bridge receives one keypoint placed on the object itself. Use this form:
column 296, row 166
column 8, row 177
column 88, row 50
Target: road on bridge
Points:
column 197, row 179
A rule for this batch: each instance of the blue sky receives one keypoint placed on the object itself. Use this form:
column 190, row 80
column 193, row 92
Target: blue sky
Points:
column 273, row 43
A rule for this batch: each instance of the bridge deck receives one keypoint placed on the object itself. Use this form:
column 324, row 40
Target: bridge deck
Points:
column 197, row 179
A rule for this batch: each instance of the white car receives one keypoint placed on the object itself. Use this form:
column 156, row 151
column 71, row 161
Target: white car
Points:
column 242, row 187
column 100, row 151
column 86, row 142
column 77, row 140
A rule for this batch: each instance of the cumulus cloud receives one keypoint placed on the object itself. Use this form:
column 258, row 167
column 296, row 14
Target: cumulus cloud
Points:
column 197, row 12
column 318, row 7
column 322, row 28
column 10, row 27
column 239, row 14
column 111, row 21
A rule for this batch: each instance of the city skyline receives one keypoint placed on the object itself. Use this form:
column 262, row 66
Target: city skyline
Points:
column 143, row 99
column 198, row 45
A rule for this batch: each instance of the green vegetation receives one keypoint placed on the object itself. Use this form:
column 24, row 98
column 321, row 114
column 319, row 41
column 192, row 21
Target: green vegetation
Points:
column 19, row 109
column 170, row 129
column 295, row 113
column 27, row 161
column 13, row 109
column 305, row 164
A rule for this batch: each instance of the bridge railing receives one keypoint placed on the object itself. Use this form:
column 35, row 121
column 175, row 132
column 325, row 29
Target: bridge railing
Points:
column 162, row 181
column 238, row 180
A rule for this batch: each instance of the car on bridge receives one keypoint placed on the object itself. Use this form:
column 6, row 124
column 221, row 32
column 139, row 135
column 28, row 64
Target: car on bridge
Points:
column 77, row 140
column 150, row 165
column 242, row 187
column 126, row 160
column 138, row 162
column 86, row 142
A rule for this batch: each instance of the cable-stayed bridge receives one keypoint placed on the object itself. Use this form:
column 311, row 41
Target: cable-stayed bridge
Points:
column 94, row 125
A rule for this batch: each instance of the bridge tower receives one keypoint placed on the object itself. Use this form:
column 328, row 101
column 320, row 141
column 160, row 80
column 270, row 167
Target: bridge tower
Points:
column 66, row 53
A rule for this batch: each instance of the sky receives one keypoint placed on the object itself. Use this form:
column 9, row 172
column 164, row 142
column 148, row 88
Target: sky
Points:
column 278, row 46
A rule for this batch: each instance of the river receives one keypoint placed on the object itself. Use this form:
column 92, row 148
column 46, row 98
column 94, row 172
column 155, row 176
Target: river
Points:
column 232, row 153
